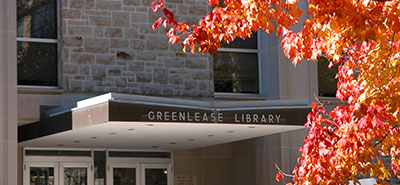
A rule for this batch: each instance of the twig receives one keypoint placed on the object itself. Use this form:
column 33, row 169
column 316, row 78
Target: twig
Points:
column 280, row 171
column 322, row 104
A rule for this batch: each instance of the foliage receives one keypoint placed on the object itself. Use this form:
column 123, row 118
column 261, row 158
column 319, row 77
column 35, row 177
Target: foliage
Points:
column 350, row 140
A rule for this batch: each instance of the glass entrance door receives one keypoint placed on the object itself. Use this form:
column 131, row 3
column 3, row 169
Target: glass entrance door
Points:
column 123, row 174
column 53, row 173
column 139, row 174
column 75, row 174
column 156, row 174
column 41, row 174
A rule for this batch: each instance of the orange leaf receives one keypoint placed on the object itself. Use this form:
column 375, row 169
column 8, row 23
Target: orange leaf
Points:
column 278, row 176
column 213, row 2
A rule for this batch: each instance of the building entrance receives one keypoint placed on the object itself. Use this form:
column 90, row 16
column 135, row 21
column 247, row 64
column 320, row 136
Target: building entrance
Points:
column 88, row 167
column 58, row 173
column 139, row 171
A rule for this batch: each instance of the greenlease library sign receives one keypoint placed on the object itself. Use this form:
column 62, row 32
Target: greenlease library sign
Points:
column 213, row 117
column 119, row 111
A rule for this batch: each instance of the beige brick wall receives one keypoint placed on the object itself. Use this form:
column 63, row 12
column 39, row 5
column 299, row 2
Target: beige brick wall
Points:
column 109, row 46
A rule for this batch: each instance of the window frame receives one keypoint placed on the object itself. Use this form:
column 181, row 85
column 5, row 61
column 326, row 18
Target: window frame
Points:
column 46, row 40
column 243, row 50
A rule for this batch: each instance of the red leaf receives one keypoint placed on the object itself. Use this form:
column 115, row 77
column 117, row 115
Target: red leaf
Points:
column 192, row 48
column 213, row 2
column 344, row 143
column 170, row 16
column 173, row 22
column 183, row 48
column 174, row 39
column 158, row 6
column 168, row 13
column 154, row 2
column 157, row 23
column 278, row 176
column 377, row 122
column 314, row 106
column 154, row 9
column 171, row 32
column 165, row 23
column 183, row 27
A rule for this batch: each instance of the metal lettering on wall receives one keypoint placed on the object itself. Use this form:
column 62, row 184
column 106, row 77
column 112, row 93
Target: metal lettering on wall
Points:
column 213, row 117
column 156, row 113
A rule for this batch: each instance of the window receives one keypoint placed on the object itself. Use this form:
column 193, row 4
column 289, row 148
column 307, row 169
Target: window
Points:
column 326, row 78
column 236, row 67
column 37, row 42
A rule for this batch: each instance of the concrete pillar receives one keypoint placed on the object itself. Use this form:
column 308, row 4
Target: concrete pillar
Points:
column 281, row 149
column 8, row 93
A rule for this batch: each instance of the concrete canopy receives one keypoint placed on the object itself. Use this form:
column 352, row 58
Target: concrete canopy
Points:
column 121, row 121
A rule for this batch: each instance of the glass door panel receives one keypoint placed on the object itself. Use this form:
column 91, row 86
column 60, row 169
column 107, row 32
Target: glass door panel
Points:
column 48, row 171
column 156, row 174
column 41, row 176
column 75, row 176
column 124, row 176
column 40, row 173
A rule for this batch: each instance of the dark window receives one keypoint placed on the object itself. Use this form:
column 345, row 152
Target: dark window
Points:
column 57, row 153
column 249, row 43
column 37, row 42
column 157, row 176
column 41, row 176
column 140, row 154
column 236, row 67
column 327, row 82
column 37, row 63
column 100, row 166
column 124, row 176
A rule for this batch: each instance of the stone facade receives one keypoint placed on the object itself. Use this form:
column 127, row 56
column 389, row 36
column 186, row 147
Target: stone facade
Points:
column 110, row 46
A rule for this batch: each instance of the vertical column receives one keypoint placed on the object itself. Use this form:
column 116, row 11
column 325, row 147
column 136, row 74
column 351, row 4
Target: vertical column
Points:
column 281, row 149
column 8, row 93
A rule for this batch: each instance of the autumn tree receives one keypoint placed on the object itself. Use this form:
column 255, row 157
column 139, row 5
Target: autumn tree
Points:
column 363, row 35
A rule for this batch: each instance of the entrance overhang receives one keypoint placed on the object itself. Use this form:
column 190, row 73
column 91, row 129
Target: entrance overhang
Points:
column 142, row 122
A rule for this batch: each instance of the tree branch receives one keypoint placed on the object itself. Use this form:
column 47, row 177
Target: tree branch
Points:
column 280, row 171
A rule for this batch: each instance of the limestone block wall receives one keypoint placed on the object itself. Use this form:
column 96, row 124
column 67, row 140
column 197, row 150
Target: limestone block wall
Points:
column 110, row 46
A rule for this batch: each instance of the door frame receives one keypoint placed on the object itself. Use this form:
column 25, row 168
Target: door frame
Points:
column 27, row 167
column 86, row 165
column 58, row 162
column 145, row 166
column 140, row 164
column 110, row 171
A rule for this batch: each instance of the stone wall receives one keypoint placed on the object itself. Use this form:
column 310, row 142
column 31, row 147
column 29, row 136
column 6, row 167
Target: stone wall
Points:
column 109, row 46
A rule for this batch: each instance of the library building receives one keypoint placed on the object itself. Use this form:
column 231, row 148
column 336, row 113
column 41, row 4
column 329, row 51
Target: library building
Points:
column 92, row 95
